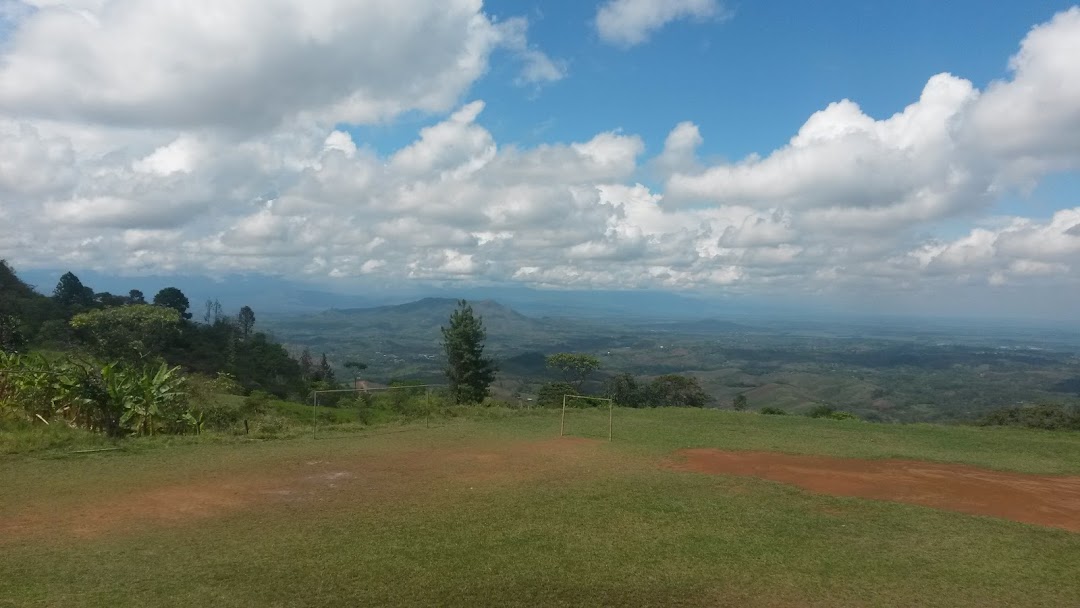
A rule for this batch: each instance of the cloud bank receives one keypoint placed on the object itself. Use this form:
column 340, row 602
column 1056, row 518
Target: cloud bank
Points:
column 211, row 139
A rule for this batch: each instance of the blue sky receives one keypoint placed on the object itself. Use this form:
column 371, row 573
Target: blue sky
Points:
column 750, row 80
column 696, row 146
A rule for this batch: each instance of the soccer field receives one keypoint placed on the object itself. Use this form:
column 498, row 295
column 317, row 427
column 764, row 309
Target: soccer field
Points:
column 682, row 508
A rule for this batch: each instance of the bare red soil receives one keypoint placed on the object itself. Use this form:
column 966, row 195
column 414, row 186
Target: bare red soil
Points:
column 1034, row 499
column 361, row 480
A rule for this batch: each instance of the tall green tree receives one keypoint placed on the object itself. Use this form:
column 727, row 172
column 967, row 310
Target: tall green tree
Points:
column 575, row 367
column 108, row 300
column 12, row 339
column 171, row 297
column 326, row 372
column 246, row 321
column 469, row 372
column 127, row 333
column 676, row 391
column 307, row 365
column 213, row 312
column 624, row 390
column 70, row 292
column 739, row 403
column 136, row 297
column 356, row 367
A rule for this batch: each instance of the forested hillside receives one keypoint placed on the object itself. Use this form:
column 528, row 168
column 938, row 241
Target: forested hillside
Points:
column 76, row 319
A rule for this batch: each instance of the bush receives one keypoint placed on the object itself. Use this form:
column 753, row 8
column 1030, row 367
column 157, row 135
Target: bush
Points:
column 773, row 411
column 551, row 395
column 219, row 416
column 226, row 384
column 1049, row 417
column 676, row 391
column 270, row 428
column 829, row 412
column 256, row 404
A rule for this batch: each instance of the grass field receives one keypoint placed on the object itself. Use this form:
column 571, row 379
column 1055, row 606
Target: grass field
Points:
column 499, row 511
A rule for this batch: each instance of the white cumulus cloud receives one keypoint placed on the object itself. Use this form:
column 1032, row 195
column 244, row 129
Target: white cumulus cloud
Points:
column 627, row 23
column 102, row 170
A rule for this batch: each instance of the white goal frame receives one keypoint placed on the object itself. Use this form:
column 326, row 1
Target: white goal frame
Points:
column 562, row 420
column 315, row 397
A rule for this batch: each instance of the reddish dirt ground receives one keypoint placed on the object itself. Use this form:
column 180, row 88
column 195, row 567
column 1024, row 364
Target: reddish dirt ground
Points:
column 1033, row 499
column 360, row 479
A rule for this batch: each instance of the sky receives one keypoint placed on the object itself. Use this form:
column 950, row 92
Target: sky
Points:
column 915, row 156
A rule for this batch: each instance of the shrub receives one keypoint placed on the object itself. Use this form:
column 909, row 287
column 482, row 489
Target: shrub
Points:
column 821, row 411
column 1050, row 417
column 270, row 428
column 676, row 391
column 219, row 416
column 551, row 395
column 226, row 384
column 773, row 411
column 739, row 403
column 829, row 412
column 256, row 404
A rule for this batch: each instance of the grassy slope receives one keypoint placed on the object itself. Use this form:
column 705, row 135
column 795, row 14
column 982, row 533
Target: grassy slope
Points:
column 614, row 528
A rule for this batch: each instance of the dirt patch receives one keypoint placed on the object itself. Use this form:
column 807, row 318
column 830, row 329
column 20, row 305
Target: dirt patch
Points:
column 1034, row 499
column 356, row 477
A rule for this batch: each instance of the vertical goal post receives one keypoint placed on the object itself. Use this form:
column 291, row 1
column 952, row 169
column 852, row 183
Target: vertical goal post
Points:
column 562, row 420
column 315, row 397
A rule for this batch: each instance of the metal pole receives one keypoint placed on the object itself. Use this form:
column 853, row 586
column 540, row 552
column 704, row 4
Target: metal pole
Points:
column 609, row 409
column 315, row 414
column 562, row 421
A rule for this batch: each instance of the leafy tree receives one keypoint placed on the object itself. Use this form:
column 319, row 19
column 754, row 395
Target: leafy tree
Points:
column 551, row 394
column 246, row 321
column 127, row 333
column 55, row 332
column 773, row 411
column 625, row 391
column 1041, row 416
column 29, row 309
column 739, row 402
column 356, row 368
column 171, row 297
column 575, row 367
column 12, row 339
column 109, row 300
column 136, row 297
column 326, row 372
column 70, row 292
column 468, row 371
column 307, row 365
column 256, row 404
column 677, row 391
column 831, row 413
column 213, row 312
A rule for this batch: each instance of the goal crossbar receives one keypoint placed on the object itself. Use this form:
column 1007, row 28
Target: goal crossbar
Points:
column 562, row 420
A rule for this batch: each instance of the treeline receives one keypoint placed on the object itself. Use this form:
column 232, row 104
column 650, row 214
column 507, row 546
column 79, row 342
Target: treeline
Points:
column 127, row 329
column 1050, row 417
column 668, row 390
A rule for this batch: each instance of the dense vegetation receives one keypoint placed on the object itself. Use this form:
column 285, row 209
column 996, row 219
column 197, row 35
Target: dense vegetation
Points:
column 120, row 366
column 708, row 364
column 884, row 370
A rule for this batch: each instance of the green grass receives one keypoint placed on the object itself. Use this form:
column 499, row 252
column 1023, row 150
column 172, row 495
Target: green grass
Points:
column 456, row 515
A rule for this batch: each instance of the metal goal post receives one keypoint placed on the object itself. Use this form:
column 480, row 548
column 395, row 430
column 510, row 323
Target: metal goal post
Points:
column 562, row 420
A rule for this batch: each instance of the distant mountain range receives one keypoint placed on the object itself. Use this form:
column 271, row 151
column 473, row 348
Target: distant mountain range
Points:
column 273, row 295
column 426, row 316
